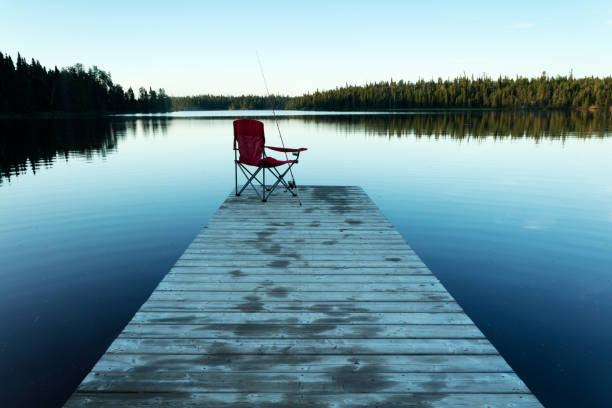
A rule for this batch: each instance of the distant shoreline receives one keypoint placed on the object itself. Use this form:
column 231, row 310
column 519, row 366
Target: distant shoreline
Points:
column 32, row 90
column 80, row 115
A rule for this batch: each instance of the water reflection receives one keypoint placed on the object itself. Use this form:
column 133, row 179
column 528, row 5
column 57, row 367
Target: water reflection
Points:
column 151, row 126
column 31, row 144
column 26, row 145
column 476, row 124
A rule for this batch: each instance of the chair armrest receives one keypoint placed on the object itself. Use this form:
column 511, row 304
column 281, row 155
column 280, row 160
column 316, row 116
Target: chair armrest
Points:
column 286, row 149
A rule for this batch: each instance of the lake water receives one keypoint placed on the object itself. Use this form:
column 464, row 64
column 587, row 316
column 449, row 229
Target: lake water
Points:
column 512, row 211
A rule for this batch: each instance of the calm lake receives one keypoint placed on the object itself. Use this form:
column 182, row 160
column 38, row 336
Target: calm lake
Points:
column 512, row 211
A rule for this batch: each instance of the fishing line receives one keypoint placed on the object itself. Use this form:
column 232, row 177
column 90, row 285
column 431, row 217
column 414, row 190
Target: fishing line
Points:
column 277, row 126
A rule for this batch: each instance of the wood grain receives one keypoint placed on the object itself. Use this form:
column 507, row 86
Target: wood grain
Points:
column 323, row 305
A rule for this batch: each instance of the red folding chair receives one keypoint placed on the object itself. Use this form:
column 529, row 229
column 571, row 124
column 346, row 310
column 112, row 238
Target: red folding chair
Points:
column 249, row 142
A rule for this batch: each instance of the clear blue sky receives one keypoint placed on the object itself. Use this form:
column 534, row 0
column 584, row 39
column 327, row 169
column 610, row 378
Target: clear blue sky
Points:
column 192, row 47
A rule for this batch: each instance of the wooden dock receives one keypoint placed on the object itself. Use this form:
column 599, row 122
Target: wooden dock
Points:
column 324, row 305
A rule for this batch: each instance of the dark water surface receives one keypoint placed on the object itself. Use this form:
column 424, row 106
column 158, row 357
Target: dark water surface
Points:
column 512, row 211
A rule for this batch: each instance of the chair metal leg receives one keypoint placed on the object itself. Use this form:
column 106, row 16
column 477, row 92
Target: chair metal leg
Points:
column 287, row 186
column 236, row 177
column 280, row 179
column 249, row 182
column 266, row 190
column 236, row 169
column 263, row 189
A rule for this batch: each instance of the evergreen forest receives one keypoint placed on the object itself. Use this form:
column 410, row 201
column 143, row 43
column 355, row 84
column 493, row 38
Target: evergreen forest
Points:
column 545, row 92
column 31, row 88
column 216, row 102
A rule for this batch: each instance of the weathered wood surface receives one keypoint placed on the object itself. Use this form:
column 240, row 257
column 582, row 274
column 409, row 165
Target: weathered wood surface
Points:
column 324, row 305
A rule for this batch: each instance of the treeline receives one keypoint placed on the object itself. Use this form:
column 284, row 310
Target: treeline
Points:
column 31, row 88
column 215, row 102
column 561, row 92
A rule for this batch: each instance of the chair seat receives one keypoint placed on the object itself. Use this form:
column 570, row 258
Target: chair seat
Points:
column 286, row 149
column 268, row 162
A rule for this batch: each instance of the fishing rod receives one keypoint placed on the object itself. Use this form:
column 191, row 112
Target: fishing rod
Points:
column 277, row 126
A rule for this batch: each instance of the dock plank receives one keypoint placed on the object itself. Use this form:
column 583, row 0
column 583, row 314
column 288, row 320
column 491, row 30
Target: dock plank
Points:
column 323, row 305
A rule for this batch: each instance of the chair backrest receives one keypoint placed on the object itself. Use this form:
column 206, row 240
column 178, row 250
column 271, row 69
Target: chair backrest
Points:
column 249, row 140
